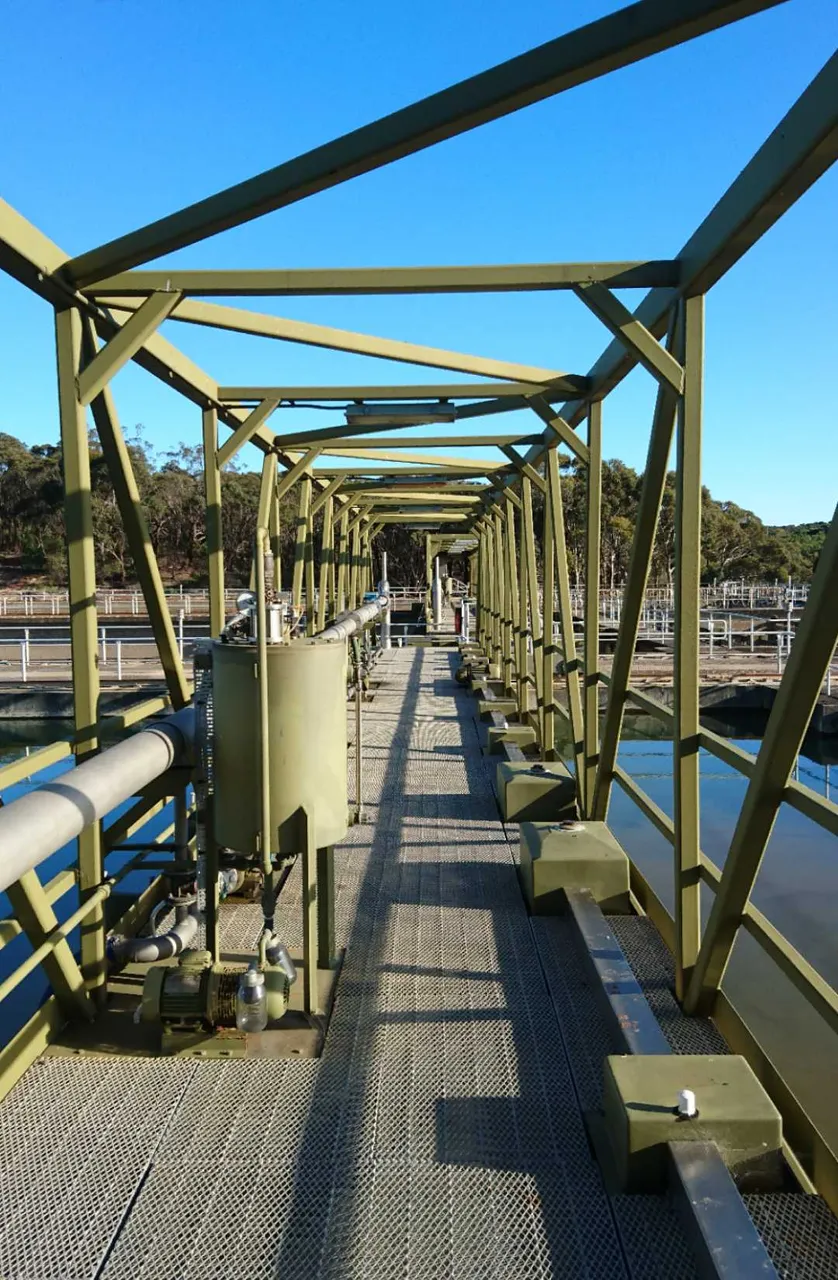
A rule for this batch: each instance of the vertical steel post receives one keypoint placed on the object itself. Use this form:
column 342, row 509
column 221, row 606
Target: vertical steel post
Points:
column 569, row 657
column 343, row 553
column 531, row 574
column 215, row 546
column 78, row 517
column 514, row 602
column 354, row 565
column 326, row 554
column 275, row 531
column 300, row 547
column 685, row 743
column 548, row 736
column 592, row 578
column 500, row 594
column 311, row 619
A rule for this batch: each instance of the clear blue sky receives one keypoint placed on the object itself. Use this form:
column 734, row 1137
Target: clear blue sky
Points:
column 115, row 112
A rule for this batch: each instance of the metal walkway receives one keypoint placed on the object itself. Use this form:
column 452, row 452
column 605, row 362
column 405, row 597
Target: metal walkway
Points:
column 441, row 1132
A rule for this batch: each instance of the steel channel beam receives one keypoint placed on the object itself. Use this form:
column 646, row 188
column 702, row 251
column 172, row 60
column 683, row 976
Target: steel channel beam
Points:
column 215, row 543
column 78, row 522
column 685, row 739
column 651, row 496
column 127, row 495
column 570, row 661
column 615, row 41
column 593, row 536
column 335, row 282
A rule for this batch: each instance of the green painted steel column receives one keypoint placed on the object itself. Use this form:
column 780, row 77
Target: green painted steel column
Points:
column 529, row 560
column 78, row 517
column 215, row 545
column 275, row 531
column 548, row 738
column 343, row 554
column 354, row 565
column 500, row 591
column 593, row 535
column 797, row 696
column 311, row 618
column 300, row 546
column 514, row 603
column 569, row 657
column 326, row 551
column 523, row 629
column 687, row 616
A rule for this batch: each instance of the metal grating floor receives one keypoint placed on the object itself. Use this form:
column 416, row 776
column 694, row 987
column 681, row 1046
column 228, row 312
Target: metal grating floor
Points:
column 441, row 1131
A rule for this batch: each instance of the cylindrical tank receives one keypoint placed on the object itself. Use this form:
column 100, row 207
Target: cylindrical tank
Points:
column 307, row 743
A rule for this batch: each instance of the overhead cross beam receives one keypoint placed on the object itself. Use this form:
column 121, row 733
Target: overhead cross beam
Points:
column 261, row 325
column 359, row 394
column 334, row 282
column 615, row 41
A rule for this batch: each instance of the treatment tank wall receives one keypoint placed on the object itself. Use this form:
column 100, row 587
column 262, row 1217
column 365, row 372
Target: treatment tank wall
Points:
column 307, row 743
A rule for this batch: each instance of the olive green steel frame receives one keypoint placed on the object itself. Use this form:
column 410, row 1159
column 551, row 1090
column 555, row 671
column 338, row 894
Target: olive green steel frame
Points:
column 107, row 314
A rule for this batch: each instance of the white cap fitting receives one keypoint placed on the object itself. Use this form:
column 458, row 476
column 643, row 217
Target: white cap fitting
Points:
column 686, row 1104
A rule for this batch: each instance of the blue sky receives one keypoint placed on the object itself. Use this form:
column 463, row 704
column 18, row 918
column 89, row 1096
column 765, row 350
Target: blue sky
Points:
column 115, row 112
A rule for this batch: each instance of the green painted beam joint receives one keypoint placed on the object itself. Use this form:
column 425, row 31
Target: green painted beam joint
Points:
column 535, row 791
column 640, row 1116
column 559, row 856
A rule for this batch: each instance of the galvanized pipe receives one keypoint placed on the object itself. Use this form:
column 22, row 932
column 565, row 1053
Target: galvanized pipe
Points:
column 42, row 822
column 349, row 624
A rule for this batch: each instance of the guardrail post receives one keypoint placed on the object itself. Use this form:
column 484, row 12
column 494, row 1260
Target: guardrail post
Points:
column 119, row 660
column 23, row 662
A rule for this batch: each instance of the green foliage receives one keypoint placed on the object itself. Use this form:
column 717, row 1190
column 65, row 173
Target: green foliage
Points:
column 735, row 542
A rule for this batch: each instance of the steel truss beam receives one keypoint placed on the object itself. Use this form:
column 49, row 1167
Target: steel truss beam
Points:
column 128, row 500
column 360, row 394
column 333, row 282
column 246, row 431
column 260, row 325
column 617, row 40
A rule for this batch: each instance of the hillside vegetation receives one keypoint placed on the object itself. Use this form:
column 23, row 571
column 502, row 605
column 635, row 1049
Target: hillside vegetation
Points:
column 735, row 542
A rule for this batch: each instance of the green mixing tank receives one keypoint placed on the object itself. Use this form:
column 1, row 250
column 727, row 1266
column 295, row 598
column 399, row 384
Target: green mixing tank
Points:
column 307, row 751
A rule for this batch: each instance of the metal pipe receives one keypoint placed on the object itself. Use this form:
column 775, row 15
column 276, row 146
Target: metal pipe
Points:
column 348, row 624
column 40, row 823
column 162, row 947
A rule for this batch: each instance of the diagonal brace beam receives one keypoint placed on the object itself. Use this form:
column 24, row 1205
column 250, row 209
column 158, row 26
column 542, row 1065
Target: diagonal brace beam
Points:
column 125, row 344
column 246, row 431
column 637, row 339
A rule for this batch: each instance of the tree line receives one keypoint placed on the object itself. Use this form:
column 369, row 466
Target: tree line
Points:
column 735, row 542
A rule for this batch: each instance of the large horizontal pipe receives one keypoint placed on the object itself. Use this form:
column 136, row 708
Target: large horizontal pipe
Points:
column 40, row 823
column 348, row 624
